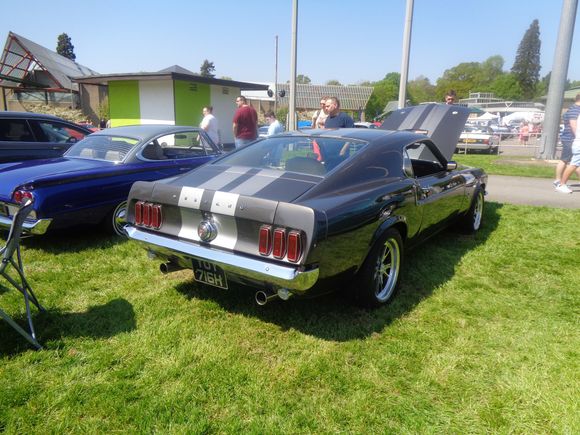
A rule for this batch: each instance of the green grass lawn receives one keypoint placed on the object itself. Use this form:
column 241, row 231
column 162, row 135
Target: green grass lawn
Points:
column 483, row 337
column 508, row 165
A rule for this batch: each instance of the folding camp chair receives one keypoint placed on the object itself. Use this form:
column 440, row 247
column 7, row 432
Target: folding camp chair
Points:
column 6, row 256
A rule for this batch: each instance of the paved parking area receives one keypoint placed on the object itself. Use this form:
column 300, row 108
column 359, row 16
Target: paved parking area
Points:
column 531, row 191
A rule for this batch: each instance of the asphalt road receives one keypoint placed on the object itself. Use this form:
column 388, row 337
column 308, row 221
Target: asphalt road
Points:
column 531, row 191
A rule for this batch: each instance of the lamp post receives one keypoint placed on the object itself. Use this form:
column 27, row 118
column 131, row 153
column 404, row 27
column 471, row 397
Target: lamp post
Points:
column 276, row 78
column 292, row 96
column 405, row 57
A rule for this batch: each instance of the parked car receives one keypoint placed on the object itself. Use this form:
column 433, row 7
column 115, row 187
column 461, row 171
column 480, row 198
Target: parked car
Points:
column 478, row 138
column 502, row 131
column 263, row 131
column 362, row 124
column 26, row 136
column 90, row 183
column 302, row 214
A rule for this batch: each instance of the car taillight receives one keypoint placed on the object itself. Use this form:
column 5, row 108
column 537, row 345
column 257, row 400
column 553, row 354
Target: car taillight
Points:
column 148, row 215
column 20, row 196
column 265, row 240
column 139, row 213
column 486, row 141
column 156, row 218
column 279, row 249
column 280, row 243
column 294, row 246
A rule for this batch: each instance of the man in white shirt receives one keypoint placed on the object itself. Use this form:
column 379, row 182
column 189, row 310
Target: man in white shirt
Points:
column 274, row 125
column 210, row 124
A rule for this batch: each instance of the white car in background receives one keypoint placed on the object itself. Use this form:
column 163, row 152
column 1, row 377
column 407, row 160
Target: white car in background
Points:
column 479, row 139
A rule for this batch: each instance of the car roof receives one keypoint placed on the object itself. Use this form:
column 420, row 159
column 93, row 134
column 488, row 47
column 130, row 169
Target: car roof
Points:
column 144, row 131
column 367, row 134
column 9, row 114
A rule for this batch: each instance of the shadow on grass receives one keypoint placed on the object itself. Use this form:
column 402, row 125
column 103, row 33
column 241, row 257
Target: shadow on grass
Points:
column 100, row 321
column 333, row 317
column 72, row 240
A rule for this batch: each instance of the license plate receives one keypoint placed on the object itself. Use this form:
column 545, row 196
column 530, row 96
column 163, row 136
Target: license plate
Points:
column 209, row 273
column 469, row 140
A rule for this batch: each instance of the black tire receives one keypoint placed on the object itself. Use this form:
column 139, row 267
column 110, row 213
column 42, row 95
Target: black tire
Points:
column 116, row 219
column 472, row 220
column 379, row 275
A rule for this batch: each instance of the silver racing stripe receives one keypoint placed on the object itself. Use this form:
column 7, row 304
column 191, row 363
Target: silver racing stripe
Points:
column 256, row 183
column 224, row 178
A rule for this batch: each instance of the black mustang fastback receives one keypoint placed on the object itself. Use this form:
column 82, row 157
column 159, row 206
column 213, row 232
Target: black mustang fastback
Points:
column 300, row 214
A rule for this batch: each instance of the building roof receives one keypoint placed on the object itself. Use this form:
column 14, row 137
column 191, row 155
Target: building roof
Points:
column 174, row 72
column 25, row 62
column 308, row 96
column 571, row 93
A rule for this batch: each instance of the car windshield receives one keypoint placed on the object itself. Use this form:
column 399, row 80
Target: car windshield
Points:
column 308, row 155
column 102, row 147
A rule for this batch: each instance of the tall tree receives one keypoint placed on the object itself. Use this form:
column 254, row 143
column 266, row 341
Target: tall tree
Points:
column 384, row 91
column 207, row 68
column 64, row 47
column 333, row 83
column 527, row 64
column 421, row 90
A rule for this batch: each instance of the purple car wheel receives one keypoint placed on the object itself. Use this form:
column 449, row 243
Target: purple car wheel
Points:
column 118, row 219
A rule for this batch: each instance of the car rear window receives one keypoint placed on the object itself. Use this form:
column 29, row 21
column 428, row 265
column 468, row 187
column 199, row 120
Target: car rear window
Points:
column 103, row 147
column 308, row 155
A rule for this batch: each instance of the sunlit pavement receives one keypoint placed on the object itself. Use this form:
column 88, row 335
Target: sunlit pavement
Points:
column 531, row 191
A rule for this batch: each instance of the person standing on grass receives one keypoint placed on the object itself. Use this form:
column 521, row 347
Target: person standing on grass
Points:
column 245, row 122
column 567, row 137
column 336, row 118
column 572, row 166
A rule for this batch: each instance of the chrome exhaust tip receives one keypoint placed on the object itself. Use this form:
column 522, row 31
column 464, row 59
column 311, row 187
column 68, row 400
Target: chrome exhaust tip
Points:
column 262, row 298
column 166, row 268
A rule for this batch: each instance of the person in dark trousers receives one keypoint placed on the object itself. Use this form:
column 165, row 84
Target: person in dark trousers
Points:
column 336, row 118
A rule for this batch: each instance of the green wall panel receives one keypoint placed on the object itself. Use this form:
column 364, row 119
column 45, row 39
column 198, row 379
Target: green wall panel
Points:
column 189, row 101
column 124, row 103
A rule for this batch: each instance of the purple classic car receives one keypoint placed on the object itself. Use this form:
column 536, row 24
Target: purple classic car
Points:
column 90, row 183
column 301, row 214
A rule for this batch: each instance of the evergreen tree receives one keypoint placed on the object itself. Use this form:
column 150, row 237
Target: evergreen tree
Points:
column 527, row 64
column 207, row 68
column 64, row 47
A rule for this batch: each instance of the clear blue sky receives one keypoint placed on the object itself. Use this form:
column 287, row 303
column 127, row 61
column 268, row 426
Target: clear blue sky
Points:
column 348, row 41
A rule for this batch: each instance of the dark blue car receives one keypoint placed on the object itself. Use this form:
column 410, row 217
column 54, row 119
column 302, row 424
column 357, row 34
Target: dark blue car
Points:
column 90, row 183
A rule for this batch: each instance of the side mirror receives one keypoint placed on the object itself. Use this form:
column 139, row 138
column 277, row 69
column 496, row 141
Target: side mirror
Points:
column 451, row 166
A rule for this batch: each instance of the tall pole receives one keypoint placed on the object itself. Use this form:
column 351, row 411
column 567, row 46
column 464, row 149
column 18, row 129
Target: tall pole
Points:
column 558, row 80
column 276, row 79
column 406, row 50
column 292, row 97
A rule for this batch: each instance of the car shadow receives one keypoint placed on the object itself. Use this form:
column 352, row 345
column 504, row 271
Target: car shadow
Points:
column 72, row 240
column 53, row 325
column 334, row 317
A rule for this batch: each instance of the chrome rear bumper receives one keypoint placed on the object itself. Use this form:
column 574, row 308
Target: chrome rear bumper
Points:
column 39, row 226
column 292, row 278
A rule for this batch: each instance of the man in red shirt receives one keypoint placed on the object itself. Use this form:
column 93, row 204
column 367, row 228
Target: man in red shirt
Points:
column 245, row 123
